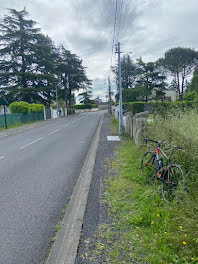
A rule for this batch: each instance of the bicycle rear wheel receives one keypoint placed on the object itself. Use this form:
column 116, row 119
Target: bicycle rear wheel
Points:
column 173, row 183
column 148, row 165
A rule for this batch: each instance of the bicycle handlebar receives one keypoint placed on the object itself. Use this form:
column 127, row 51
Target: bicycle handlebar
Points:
column 160, row 143
column 154, row 141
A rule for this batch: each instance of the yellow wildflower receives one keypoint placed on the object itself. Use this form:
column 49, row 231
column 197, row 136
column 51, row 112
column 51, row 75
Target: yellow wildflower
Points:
column 165, row 232
column 184, row 243
column 180, row 227
column 192, row 258
column 155, row 234
column 152, row 222
column 185, row 235
column 158, row 215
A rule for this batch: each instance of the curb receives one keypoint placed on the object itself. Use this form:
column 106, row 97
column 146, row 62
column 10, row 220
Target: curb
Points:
column 65, row 247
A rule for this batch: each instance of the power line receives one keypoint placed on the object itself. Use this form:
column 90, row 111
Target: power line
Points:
column 114, row 31
column 120, row 20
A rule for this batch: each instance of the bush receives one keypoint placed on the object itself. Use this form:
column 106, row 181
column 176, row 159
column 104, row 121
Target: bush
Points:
column 135, row 108
column 164, row 108
column 70, row 111
column 161, row 108
column 84, row 106
column 36, row 108
column 19, row 107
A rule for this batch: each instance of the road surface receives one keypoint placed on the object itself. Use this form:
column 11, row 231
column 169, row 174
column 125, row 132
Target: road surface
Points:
column 38, row 170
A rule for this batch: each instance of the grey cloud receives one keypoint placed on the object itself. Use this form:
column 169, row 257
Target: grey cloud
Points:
column 148, row 28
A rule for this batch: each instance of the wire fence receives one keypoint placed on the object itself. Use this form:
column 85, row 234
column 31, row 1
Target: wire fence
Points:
column 13, row 119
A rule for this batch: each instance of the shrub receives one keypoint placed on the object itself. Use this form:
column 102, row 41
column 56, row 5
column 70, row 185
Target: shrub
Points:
column 36, row 108
column 162, row 108
column 19, row 107
column 135, row 108
column 84, row 106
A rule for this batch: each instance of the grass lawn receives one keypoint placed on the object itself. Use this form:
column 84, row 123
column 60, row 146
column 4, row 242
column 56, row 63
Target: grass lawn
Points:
column 142, row 227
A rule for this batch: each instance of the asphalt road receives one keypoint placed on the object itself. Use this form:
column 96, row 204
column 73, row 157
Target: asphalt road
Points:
column 38, row 170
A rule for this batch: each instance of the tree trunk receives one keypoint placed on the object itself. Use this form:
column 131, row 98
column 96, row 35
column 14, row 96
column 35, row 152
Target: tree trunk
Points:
column 183, row 79
column 178, row 85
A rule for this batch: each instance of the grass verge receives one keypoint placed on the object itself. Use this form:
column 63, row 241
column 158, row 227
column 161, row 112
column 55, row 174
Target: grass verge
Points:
column 19, row 125
column 142, row 227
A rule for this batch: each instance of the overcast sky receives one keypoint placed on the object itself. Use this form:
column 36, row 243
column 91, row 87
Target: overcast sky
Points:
column 148, row 28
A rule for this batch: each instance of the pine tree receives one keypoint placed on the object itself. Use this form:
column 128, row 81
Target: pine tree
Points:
column 150, row 79
column 72, row 75
column 26, row 66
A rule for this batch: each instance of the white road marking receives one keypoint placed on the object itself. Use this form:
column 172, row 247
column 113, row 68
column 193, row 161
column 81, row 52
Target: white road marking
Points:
column 31, row 143
column 2, row 157
column 54, row 131
column 66, row 125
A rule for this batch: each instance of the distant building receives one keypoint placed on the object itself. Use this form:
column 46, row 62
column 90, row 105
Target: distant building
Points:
column 97, row 100
column 2, row 110
column 167, row 95
column 170, row 96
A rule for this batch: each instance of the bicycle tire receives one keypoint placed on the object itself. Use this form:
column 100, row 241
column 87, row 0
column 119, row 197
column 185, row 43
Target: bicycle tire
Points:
column 173, row 182
column 148, row 165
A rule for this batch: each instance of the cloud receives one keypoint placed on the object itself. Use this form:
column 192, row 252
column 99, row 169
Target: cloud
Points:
column 148, row 28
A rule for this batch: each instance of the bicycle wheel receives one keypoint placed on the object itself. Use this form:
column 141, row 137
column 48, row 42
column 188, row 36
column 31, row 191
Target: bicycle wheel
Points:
column 148, row 165
column 173, row 183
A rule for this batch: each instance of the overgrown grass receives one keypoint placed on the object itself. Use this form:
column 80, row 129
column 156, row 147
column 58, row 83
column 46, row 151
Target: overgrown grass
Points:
column 143, row 228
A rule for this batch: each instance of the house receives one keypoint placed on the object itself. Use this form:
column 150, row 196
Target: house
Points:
column 169, row 96
column 6, row 110
column 97, row 100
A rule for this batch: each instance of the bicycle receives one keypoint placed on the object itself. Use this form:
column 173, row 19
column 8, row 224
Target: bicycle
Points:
column 171, row 175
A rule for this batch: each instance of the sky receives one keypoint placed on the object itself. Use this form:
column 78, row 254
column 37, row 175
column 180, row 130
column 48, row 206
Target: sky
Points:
column 147, row 28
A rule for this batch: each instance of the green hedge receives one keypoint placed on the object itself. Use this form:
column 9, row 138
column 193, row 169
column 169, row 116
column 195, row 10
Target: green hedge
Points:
column 19, row 107
column 161, row 108
column 24, row 108
column 36, row 108
column 84, row 106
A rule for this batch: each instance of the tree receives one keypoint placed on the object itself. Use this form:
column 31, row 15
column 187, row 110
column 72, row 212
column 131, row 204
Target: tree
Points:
column 72, row 75
column 128, row 72
column 133, row 95
column 194, row 83
column 86, row 97
column 26, row 64
column 150, row 79
column 180, row 62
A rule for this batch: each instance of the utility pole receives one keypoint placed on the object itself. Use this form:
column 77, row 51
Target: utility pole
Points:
column 109, row 81
column 120, row 90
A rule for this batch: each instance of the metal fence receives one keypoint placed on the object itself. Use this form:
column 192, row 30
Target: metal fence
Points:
column 13, row 119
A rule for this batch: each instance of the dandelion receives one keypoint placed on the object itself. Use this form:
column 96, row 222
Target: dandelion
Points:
column 155, row 234
column 158, row 215
column 152, row 222
column 192, row 258
column 184, row 243
column 185, row 235
column 180, row 227
column 165, row 232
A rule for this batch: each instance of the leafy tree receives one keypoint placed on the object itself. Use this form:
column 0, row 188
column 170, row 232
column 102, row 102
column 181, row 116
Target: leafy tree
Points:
column 180, row 62
column 150, row 79
column 86, row 97
column 72, row 75
column 26, row 61
column 190, row 96
column 128, row 72
column 133, row 94
column 194, row 83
